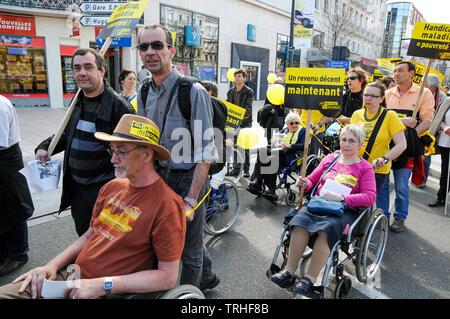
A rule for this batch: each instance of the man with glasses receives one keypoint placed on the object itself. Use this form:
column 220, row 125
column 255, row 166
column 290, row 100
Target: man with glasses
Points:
column 87, row 165
column 136, row 235
column 402, row 99
column 187, row 170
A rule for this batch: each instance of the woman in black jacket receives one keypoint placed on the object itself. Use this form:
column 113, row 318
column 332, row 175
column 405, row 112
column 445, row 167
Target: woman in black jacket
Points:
column 353, row 98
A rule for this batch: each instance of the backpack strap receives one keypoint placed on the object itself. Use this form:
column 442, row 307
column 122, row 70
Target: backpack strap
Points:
column 374, row 134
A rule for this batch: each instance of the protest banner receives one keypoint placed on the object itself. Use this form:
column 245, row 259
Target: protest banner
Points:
column 235, row 114
column 430, row 40
column 314, row 89
column 112, row 31
column 386, row 66
column 122, row 21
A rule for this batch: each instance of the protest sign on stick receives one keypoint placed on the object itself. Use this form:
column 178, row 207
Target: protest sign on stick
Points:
column 314, row 89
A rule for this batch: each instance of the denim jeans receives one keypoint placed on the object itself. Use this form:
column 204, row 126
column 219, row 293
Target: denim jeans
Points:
column 382, row 181
column 401, row 184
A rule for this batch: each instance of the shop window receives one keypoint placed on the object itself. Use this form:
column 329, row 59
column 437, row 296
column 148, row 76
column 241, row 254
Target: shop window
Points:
column 200, row 62
column 22, row 65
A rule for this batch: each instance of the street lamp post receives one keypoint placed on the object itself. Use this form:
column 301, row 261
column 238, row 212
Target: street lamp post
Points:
column 291, row 36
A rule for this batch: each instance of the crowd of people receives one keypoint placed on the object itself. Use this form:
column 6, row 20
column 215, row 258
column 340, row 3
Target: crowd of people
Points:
column 136, row 199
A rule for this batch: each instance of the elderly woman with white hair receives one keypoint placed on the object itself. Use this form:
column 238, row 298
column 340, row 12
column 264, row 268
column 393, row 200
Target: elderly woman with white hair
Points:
column 348, row 169
column 265, row 172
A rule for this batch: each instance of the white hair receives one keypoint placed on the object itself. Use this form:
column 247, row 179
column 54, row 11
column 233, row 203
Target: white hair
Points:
column 291, row 116
column 356, row 130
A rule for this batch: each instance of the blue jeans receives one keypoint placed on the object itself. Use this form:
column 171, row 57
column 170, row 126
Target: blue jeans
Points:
column 401, row 184
column 382, row 181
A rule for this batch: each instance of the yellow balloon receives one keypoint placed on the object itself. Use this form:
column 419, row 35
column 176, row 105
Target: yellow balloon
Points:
column 230, row 74
column 271, row 77
column 275, row 94
column 247, row 138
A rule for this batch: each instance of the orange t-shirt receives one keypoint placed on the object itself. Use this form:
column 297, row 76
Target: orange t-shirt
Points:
column 408, row 101
column 133, row 229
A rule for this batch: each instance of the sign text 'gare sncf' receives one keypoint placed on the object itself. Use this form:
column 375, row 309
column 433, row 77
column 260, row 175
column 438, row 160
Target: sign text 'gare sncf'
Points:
column 314, row 88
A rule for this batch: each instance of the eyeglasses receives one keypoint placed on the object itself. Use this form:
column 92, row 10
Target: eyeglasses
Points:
column 120, row 154
column 371, row 96
column 156, row 45
column 352, row 78
column 294, row 123
column 348, row 140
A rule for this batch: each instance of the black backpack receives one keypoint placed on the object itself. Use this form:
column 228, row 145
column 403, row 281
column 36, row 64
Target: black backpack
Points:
column 184, row 102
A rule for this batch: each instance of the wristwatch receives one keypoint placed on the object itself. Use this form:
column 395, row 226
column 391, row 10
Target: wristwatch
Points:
column 385, row 159
column 342, row 199
column 108, row 285
column 192, row 202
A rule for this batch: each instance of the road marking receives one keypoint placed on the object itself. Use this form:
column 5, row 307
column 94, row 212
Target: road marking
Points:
column 366, row 290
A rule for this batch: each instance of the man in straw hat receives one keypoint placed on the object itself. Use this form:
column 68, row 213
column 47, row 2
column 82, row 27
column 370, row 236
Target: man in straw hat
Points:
column 136, row 235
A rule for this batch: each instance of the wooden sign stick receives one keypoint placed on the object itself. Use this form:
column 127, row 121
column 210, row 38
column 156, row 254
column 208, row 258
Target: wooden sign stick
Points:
column 305, row 157
column 66, row 118
column 422, row 87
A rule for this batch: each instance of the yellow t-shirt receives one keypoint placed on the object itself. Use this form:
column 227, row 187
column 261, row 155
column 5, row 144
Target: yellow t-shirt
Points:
column 391, row 126
column 316, row 116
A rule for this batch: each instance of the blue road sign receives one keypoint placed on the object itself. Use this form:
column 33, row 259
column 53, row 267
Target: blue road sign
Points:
column 337, row 64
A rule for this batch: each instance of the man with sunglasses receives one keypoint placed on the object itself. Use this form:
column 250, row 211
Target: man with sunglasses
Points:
column 187, row 170
column 87, row 165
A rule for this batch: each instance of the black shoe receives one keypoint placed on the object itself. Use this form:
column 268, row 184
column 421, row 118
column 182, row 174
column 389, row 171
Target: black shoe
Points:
column 246, row 173
column 10, row 265
column 209, row 283
column 270, row 195
column 255, row 188
column 398, row 225
column 437, row 203
column 283, row 279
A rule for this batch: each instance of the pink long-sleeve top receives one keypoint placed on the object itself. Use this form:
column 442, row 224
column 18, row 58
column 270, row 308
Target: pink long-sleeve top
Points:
column 360, row 177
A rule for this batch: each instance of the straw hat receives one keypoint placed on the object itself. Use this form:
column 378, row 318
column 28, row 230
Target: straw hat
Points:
column 137, row 130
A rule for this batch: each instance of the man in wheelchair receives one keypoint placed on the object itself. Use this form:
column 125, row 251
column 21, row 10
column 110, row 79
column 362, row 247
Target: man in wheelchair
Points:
column 340, row 178
column 137, row 231
column 281, row 155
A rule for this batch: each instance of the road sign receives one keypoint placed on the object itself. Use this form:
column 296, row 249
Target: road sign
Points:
column 94, row 21
column 337, row 64
column 99, row 7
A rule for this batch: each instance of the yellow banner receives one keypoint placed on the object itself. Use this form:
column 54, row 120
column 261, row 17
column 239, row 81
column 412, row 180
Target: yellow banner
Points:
column 315, row 76
column 387, row 66
column 431, row 32
column 235, row 114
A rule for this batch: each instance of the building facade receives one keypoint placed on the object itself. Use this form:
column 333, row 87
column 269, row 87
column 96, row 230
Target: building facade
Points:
column 39, row 37
column 356, row 24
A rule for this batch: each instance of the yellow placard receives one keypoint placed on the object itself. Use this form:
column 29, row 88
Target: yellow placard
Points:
column 145, row 131
column 431, row 31
column 234, row 116
column 387, row 66
column 315, row 76
column 430, row 40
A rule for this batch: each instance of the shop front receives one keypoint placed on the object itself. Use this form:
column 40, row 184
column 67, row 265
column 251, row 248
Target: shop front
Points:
column 23, row 70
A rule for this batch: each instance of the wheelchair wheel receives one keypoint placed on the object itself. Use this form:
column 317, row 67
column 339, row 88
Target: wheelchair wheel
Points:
column 183, row 292
column 223, row 210
column 290, row 197
column 343, row 288
column 311, row 163
column 371, row 246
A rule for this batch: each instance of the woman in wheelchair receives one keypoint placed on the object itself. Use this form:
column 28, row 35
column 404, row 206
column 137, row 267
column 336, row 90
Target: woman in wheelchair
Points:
column 265, row 172
column 356, row 176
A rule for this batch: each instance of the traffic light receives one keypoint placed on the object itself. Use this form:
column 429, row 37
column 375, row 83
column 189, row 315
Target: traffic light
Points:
column 340, row 53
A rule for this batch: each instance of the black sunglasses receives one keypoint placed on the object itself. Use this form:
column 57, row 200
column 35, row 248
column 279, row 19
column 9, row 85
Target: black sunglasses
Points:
column 352, row 77
column 156, row 45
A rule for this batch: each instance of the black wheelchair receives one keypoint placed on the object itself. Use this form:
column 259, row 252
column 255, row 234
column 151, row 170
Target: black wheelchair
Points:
column 287, row 176
column 363, row 242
